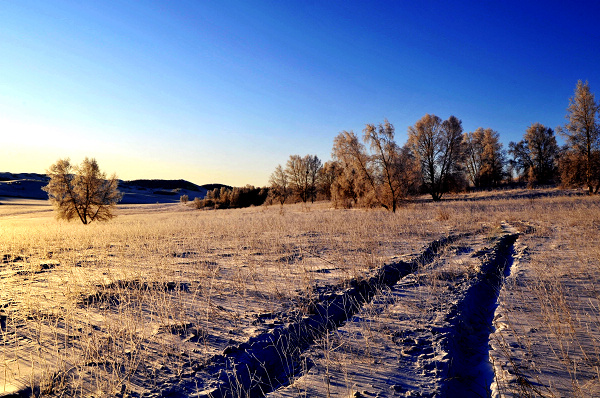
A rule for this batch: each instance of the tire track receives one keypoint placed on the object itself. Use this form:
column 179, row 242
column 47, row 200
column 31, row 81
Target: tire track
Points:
column 470, row 373
column 427, row 336
column 268, row 361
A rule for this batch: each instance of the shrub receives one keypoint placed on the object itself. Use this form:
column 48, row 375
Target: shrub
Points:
column 198, row 203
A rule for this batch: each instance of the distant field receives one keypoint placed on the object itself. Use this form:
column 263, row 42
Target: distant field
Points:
column 305, row 300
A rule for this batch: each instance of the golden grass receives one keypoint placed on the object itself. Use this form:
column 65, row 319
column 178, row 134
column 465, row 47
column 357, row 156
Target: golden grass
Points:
column 99, row 308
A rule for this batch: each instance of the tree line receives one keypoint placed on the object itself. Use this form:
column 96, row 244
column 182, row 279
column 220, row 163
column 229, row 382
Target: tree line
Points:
column 374, row 171
column 231, row 198
column 377, row 172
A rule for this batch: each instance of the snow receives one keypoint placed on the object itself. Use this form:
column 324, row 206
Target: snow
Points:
column 507, row 310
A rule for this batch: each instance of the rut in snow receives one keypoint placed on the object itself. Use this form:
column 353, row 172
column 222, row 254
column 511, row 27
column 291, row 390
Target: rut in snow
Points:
column 470, row 373
column 270, row 360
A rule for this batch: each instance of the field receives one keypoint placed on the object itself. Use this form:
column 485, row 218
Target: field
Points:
column 485, row 293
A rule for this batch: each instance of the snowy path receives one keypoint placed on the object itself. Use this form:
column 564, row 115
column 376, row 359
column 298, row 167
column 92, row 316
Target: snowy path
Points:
column 414, row 327
column 425, row 336
column 271, row 359
column 417, row 328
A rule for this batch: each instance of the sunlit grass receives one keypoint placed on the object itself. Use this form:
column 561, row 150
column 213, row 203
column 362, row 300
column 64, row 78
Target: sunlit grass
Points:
column 90, row 308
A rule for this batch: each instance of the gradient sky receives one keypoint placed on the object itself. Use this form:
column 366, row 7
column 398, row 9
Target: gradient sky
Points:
column 224, row 91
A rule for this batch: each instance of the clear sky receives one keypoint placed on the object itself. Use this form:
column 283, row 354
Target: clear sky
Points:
column 224, row 91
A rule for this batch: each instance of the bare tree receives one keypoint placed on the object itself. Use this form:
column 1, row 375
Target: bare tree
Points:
column 535, row 156
column 582, row 132
column 484, row 157
column 380, row 177
column 473, row 145
column 297, row 175
column 82, row 191
column 387, row 164
column 313, row 167
column 355, row 184
column 438, row 147
column 302, row 174
column 279, row 184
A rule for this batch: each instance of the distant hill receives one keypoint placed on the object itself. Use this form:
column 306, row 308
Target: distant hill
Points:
column 210, row 187
column 162, row 184
column 5, row 176
column 23, row 185
column 159, row 191
column 29, row 186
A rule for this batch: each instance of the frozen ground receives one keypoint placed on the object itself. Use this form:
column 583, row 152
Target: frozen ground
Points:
column 426, row 335
column 475, row 298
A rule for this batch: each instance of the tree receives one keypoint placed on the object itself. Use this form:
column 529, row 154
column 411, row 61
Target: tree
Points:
column 473, row 160
column 572, row 169
column 302, row 174
column 437, row 146
column 198, row 203
column 313, row 167
column 484, row 157
column 297, row 175
column 535, row 156
column 279, row 184
column 381, row 177
column 354, row 182
column 582, row 132
column 82, row 191
column 387, row 164
column 233, row 197
column 327, row 176
column 493, row 160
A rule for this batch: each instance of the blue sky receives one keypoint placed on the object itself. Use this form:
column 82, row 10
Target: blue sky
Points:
column 224, row 91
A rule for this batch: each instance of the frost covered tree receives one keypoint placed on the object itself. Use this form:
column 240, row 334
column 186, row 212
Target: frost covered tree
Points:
column 82, row 191
column 535, row 156
column 381, row 177
column 279, row 185
column 302, row 174
column 484, row 158
column 437, row 146
column 389, row 164
column 354, row 183
column 582, row 133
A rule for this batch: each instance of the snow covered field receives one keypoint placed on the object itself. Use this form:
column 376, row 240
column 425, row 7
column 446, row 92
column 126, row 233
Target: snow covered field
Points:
column 300, row 300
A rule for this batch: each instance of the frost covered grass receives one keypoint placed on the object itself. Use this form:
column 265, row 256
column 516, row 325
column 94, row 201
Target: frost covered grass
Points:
column 130, row 305
column 548, row 332
column 88, row 307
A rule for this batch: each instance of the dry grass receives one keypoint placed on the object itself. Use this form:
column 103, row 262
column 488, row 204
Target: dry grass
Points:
column 549, row 307
column 109, row 308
